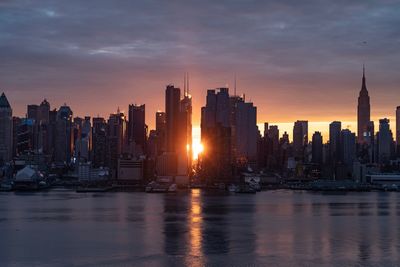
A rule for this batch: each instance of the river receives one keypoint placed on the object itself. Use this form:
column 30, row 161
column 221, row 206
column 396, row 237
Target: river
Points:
column 196, row 228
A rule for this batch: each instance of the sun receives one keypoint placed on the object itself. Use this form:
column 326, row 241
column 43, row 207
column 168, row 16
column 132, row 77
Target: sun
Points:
column 197, row 148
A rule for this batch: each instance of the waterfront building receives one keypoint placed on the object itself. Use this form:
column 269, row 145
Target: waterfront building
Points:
column 6, row 130
column 130, row 169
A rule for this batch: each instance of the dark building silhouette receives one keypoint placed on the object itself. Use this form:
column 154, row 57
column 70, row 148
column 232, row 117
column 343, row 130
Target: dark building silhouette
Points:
column 137, row 128
column 32, row 112
column 384, row 141
column 82, row 139
column 16, row 123
column 172, row 109
column 347, row 150
column 398, row 130
column 39, row 117
column 270, row 147
column 25, row 136
column 6, row 130
column 116, row 139
column 99, row 145
column 317, row 146
column 64, row 135
column 161, row 126
column 335, row 128
column 184, row 149
column 51, row 134
column 216, row 136
column 363, row 111
column 300, row 138
column 178, row 118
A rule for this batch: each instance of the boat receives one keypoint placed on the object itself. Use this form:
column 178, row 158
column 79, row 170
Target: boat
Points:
column 246, row 189
column 232, row 188
column 160, row 187
column 29, row 179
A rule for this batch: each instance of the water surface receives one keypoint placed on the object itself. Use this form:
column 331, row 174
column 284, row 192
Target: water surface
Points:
column 272, row 228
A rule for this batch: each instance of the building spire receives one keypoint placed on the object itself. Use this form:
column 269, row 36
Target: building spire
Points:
column 4, row 101
column 235, row 85
column 187, row 83
column 184, row 84
column 364, row 84
column 363, row 70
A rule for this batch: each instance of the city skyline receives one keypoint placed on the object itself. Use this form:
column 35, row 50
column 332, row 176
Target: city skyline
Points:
column 119, row 54
column 321, row 126
column 199, row 133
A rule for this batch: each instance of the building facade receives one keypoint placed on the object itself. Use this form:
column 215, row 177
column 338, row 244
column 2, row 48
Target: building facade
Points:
column 6, row 130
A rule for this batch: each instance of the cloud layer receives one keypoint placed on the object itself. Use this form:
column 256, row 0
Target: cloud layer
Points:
column 293, row 59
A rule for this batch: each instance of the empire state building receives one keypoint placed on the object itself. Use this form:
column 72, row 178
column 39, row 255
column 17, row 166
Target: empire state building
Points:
column 363, row 111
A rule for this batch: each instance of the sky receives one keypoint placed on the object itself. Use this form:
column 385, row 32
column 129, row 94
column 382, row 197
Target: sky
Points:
column 293, row 59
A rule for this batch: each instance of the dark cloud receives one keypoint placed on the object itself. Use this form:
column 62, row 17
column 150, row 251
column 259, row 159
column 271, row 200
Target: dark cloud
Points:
column 101, row 54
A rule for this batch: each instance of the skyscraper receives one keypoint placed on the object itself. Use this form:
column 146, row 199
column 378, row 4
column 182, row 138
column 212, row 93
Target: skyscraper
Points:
column 273, row 134
column 99, row 135
column 317, row 146
column 184, row 149
column 116, row 139
column 16, row 122
column 363, row 111
column 348, row 148
column 32, row 112
column 83, row 143
column 300, row 138
column 216, row 136
column 398, row 130
column 245, row 131
column 161, row 132
column 43, row 112
column 335, row 128
column 384, row 141
column 64, row 135
column 172, row 109
column 38, row 118
column 178, row 117
column 6, row 130
column 43, row 120
column 137, row 128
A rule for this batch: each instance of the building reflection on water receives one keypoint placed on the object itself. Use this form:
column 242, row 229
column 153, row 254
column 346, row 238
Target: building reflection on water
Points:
column 198, row 228
column 195, row 224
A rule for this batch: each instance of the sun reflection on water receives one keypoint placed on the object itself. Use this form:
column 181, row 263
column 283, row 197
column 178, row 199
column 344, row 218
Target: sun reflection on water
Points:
column 195, row 228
